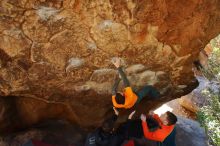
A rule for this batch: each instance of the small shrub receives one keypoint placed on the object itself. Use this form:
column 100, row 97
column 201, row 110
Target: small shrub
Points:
column 209, row 115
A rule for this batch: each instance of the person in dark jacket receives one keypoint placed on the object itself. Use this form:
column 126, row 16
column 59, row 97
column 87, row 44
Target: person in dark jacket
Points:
column 133, row 128
column 106, row 135
column 129, row 98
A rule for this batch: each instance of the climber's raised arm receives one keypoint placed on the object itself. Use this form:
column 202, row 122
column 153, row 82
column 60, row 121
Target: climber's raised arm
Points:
column 115, row 86
column 117, row 64
column 124, row 77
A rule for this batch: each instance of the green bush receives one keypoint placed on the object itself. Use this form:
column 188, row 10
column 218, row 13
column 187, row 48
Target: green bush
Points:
column 209, row 115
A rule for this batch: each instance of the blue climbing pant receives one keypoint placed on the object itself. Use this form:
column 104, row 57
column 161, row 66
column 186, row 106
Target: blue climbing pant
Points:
column 148, row 92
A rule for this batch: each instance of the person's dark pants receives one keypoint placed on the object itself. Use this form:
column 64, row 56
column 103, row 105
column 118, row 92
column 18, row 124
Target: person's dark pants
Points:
column 148, row 92
column 131, row 129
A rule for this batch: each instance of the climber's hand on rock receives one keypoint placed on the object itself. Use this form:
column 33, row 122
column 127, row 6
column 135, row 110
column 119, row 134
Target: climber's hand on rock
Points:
column 116, row 62
column 131, row 115
column 116, row 111
column 143, row 118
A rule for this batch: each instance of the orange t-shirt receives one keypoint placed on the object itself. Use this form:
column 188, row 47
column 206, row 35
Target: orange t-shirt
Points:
column 160, row 134
column 130, row 99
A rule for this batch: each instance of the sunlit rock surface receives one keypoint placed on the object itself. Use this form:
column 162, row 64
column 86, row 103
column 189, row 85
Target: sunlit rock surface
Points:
column 55, row 56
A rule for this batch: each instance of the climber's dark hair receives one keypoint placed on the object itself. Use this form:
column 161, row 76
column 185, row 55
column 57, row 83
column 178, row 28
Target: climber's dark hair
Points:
column 120, row 99
column 172, row 119
column 152, row 123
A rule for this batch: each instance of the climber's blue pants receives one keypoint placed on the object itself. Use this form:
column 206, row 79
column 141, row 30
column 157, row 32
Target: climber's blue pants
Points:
column 148, row 92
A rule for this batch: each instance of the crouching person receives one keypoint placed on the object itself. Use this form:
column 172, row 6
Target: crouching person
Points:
column 165, row 135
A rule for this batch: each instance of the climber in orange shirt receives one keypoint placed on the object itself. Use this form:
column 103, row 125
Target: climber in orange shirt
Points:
column 129, row 98
column 165, row 135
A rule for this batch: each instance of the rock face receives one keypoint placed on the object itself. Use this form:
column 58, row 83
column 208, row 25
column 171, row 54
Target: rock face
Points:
column 195, row 100
column 55, row 54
